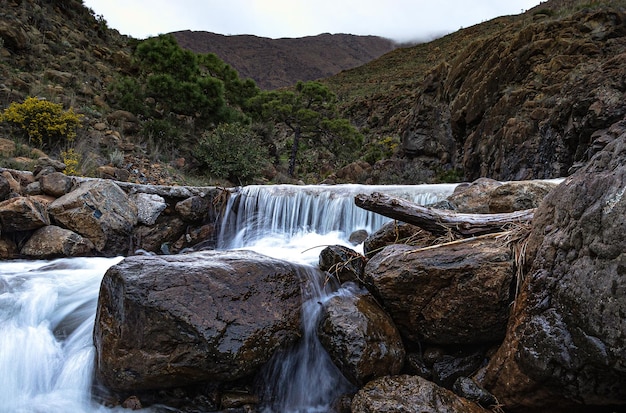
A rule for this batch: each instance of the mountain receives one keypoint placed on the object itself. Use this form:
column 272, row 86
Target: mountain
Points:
column 518, row 97
column 276, row 63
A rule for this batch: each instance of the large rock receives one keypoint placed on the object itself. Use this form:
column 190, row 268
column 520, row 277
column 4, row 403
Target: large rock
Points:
column 55, row 184
column 396, row 232
column 566, row 344
column 101, row 211
column 456, row 293
column 22, row 214
column 342, row 262
column 166, row 321
column 149, row 207
column 410, row 394
column 53, row 242
column 360, row 337
column 519, row 195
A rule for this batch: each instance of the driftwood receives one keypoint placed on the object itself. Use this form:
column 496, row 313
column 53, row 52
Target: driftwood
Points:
column 438, row 221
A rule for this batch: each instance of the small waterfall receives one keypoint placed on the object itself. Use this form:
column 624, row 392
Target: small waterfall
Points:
column 304, row 379
column 257, row 212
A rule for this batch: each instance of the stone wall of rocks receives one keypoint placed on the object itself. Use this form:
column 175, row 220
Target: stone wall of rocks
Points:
column 46, row 214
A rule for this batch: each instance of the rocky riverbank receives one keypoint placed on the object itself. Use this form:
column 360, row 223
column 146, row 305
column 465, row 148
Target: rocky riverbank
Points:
column 46, row 214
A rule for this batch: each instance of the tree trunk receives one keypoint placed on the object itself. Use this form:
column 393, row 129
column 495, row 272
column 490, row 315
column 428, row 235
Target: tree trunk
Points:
column 437, row 221
column 294, row 151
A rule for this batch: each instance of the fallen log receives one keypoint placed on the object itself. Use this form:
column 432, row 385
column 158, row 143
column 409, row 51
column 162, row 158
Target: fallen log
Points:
column 438, row 221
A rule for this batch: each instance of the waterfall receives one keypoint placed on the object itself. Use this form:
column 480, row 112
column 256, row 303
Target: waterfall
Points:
column 257, row 212
column 47, row 308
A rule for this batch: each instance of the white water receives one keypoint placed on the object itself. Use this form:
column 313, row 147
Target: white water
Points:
column 47, row 308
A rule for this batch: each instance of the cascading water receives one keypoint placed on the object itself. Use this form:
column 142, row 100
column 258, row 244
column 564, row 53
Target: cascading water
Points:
column 47, row 308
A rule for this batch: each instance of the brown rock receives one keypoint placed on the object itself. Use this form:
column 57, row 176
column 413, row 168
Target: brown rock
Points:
column 410, row 394
column 22, row 214
column 360, row 337
column 517, row 196
column 53, row 242
column 100, row 211
column 55, row 184
column 194, row 208
column 396, row 232
column 457, row 293
column 160, row 236
column 565, row 347
column 167, row 321
column 8, row 249
column 342, row 262
column 473, row 198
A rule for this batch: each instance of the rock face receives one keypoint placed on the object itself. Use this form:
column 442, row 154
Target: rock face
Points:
column 177, row 320
column 100, row 211
column 360, row 338
column 566, row 342
column 410, row 394
column 453, row 294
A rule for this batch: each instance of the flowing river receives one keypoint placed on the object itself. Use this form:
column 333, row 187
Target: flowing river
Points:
column 47, row 308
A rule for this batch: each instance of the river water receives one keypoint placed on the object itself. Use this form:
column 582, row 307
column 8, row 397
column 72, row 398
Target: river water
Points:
column 47, row 308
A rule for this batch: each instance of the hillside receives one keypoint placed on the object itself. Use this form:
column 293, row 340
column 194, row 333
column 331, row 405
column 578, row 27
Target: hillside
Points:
column 276, row 63
column 518, row 97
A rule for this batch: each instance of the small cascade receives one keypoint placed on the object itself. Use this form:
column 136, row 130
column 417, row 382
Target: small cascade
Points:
column 304, row 379
column 256, row 212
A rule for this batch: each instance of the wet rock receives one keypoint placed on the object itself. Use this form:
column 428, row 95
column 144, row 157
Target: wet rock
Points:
column 342, row 262
column 360, row 337
column 473, row 198
column 155, row 238
column 167, row 321
column 469, row 389
column 416, row 366
column 517, row 196
column 149, row 206
column 8, row 249
column 100, row 211
column 196, row 238
column 458, row 293
column 411, row 394
column 395, row 232
column 54, row 242
column 449, row 368
column 194, row 208
column 358, row 237
column 55, row 184
column 22, row 214
column 565, row 346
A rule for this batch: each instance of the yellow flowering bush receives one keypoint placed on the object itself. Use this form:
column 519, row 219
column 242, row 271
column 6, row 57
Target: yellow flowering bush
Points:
column 71, row 159
column 43, row 122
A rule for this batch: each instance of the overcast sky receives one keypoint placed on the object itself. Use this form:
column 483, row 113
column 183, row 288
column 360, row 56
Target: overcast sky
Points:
column 400, row 20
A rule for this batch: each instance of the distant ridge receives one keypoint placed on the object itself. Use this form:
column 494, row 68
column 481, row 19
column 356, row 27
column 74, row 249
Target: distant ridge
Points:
column 276, row 63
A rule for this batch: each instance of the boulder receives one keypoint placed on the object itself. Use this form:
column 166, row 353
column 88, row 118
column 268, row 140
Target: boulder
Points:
column 360, row 337
column 176, row 320
column 149, row 207
column 396, row 232
column 473, row 198
column 54, row 242
column 455, row 293
column 410, row 394
column 193, row 209
column 5, row 188
column 565, row 344
column 519, row 195
column 342, row 262
column 100, row 211
column 22, row 214
column 158, row 237
column 55, row 184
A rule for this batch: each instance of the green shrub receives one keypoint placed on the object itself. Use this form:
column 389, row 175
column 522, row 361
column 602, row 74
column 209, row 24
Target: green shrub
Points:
column 42, row 122
column 232, row 151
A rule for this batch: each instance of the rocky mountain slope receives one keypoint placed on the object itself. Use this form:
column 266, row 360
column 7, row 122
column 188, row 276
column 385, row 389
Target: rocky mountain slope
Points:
column 518, row 97
column 275, row 63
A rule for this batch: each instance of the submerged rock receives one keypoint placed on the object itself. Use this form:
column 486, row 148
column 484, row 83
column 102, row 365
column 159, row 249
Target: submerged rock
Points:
column 166, row 321
column 360, row 337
